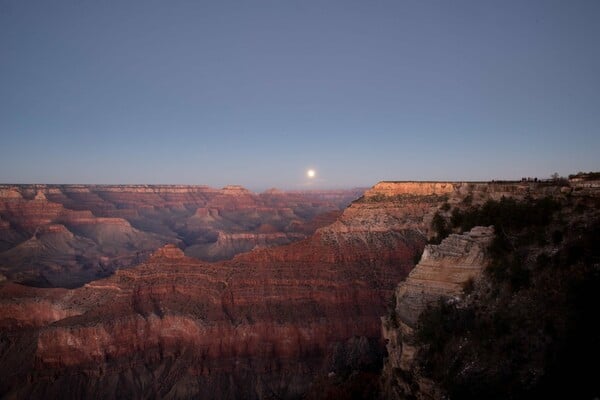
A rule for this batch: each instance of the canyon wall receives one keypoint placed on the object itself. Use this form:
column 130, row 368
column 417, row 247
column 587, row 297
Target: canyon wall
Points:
column 263, row 324
column 510, row 308
column 266, row 324
column 442, row 272
column 66, row 235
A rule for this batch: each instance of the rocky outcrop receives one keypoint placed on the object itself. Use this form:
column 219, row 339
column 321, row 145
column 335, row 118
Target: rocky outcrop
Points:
column 478, row 192
column 443, row 271
column 510, row 333
column 411, row 188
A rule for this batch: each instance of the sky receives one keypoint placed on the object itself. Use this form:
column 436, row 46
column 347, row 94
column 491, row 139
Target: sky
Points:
column 257, row 93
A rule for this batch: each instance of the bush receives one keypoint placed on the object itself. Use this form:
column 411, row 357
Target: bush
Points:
column 507, row 214
column 468, row 286
column 417, row 257
column 440, row 227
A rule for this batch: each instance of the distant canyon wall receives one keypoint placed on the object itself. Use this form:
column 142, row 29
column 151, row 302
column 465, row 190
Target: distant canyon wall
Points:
column 66, row 235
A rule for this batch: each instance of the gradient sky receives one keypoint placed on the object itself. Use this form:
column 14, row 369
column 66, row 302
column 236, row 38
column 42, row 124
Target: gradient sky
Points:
column 255, row 93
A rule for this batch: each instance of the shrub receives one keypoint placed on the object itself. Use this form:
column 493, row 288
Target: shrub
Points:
column 528, row 330
column 468, row 286
column 440, row 227
column 417, row 257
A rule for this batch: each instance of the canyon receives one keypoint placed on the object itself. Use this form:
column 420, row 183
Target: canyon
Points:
column 263, row 322
column 269, row 322
column 67, row 235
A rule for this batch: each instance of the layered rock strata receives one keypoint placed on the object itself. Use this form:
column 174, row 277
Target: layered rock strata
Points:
column 109, row 227
column 443, row 271
column 261, row 325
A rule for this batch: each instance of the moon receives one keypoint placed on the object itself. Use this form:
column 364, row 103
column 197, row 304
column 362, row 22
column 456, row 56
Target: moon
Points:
column 311, row 173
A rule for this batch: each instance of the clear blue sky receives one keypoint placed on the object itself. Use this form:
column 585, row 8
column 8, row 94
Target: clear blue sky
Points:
column 255, row 93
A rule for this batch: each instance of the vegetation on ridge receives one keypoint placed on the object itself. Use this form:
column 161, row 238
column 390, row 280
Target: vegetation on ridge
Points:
column 526, row 329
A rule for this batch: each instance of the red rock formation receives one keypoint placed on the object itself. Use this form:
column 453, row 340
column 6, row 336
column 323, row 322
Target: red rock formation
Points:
column 110, row 227
column 264, row 322
column 262, row 325
column 28, row 214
